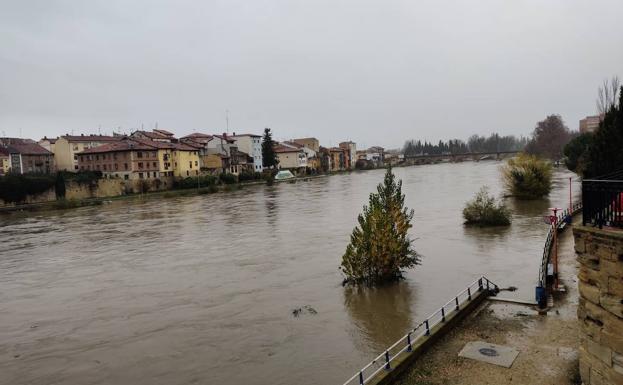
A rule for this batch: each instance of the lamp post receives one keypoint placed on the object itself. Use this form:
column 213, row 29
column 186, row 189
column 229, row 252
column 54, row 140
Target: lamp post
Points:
column 570, row 200
column 554, row 221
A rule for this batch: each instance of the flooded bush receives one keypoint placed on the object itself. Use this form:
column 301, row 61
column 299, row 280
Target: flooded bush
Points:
column 228, row 178
column 15, row 188
column 527, row 177
column 483, row 210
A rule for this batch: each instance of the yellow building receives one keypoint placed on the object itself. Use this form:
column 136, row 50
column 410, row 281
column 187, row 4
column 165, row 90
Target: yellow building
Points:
column 175, row 159
column 67, row 147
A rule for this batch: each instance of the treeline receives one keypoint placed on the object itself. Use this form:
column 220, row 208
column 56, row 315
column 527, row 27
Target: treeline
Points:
column 475, row 143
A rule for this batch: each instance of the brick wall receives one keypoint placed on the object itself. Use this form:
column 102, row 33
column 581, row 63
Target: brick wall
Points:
column 600, row 309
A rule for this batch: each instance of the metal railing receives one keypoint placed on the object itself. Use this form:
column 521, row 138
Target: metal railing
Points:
column 405, row 344
column 563, row 218
column 602, row 200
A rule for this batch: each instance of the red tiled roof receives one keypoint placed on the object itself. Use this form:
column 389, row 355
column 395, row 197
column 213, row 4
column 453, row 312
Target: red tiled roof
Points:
column 121, row 145
column 197, row 135
column 165, row 145
column 27, row 149
column 153, row 135
column 252, row 135
column 91, row 138
column 293, row 144
column 282, row 148
column 164, row 132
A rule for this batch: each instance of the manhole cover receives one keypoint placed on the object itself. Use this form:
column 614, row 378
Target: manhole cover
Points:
column 488, row 352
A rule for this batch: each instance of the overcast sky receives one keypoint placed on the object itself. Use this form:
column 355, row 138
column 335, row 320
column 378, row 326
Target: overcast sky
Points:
column 375, row 72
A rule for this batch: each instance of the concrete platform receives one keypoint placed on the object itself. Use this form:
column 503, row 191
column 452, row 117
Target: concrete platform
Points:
column 490, row 353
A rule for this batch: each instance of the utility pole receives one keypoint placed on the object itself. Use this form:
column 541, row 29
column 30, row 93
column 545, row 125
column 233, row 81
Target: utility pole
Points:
column 227, row 120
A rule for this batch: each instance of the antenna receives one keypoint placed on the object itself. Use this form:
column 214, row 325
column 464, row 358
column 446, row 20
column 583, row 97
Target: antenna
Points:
column 99, row 130
column 156, row 125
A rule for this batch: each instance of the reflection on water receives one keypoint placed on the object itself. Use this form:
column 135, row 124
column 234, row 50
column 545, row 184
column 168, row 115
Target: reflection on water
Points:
column 381, row 314
column 201, row 289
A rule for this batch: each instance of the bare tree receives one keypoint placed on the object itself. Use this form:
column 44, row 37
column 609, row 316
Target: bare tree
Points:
column 607, row 94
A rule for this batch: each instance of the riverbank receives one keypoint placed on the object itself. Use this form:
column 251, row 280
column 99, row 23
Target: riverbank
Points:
column 547, row 343
column 173, row 193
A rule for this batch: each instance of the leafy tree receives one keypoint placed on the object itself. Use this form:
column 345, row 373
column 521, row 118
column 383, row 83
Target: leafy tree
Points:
column 59, row 186
column 483, row 210
column 527, row 177
column 576, row 151
column 548, row 138
column 380, row 246
column 269, row 158
column 15, row 188
column 605, row 153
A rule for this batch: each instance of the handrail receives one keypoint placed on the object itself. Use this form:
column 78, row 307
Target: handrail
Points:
column 548, row 241
column 405, row 343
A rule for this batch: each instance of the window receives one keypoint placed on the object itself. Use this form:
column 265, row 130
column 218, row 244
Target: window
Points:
column 97, row 157
column 125, row 166
column 155, row 165
column 126, row 177
column 75, row 148
column 154, row 174
column 75, row 157
column 139, row 154
column 190, row 164
column 153, row 154
column 104, row 167
column 196, row 163
column 98, row 167
column 76, row 167
column 187, row 173
column 140, row 164
column 116, row 167
column 114, row 156
column 140, row 175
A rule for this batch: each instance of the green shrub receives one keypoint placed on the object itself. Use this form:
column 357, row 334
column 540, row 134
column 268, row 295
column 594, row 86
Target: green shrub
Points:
column 248, row 176
column 15, row 188
column 191, row 182
column 527, row 177
column 483, row 210
column 228, row 178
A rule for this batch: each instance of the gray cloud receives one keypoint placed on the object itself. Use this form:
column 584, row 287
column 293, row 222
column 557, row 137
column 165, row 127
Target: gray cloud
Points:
column 376, row 72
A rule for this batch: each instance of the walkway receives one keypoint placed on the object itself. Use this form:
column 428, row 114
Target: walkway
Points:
column 547, row 343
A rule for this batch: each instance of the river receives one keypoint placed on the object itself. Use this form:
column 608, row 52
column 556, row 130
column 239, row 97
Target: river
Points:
column 201, row 290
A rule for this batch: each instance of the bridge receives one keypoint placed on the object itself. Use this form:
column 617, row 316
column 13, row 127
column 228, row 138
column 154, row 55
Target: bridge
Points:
column 458, row 157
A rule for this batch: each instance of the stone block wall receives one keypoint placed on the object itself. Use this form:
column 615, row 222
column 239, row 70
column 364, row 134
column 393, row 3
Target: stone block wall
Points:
column 600, row 309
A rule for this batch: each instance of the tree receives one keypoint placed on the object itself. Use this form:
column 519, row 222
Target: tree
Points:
column 549, row 137
column 483, row 210
column 607, row 95
column 59, row 185
column 380, row 246
column 527, row 177
column 269, row 158
column 605, row 153
column 576, row 151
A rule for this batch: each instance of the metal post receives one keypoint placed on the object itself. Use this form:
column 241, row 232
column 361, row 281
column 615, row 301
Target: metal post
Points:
column 427, row 328
column 387, row 366
column 469, row 294
column 480, row 284
column 360, row 377
column 487, row 284
column 443, row 315
column 409, row 347
column 456, row 300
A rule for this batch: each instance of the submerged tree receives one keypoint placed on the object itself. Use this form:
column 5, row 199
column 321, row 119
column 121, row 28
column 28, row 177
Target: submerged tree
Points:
column 484, row 210
column 380, row 246
column 527, row 177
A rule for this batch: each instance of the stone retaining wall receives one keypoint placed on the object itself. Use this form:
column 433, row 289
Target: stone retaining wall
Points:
column 600, row 309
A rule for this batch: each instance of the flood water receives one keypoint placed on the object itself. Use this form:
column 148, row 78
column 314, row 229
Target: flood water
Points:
column 201, row 289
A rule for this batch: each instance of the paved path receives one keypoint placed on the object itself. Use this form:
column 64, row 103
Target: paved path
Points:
column 547, row 343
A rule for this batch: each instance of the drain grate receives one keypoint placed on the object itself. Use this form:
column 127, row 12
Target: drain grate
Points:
column 488, row 352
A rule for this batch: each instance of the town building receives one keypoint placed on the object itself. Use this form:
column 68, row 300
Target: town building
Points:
column 351, row 147
column 219, row 153
column 313, row 163
column 67, row 147
column 311, row 143
column 155, row 135
column 48, row 143
column 175, row 159
column 125, row 159
column 252, row 145
column 21, row 156
column 590, row 123
column 376, row 154
column 339, row 159
column 290, row 158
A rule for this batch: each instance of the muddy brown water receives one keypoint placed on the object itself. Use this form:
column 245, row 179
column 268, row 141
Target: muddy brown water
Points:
column 201, row 289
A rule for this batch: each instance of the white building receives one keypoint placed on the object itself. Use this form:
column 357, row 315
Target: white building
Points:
column 252, row 145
